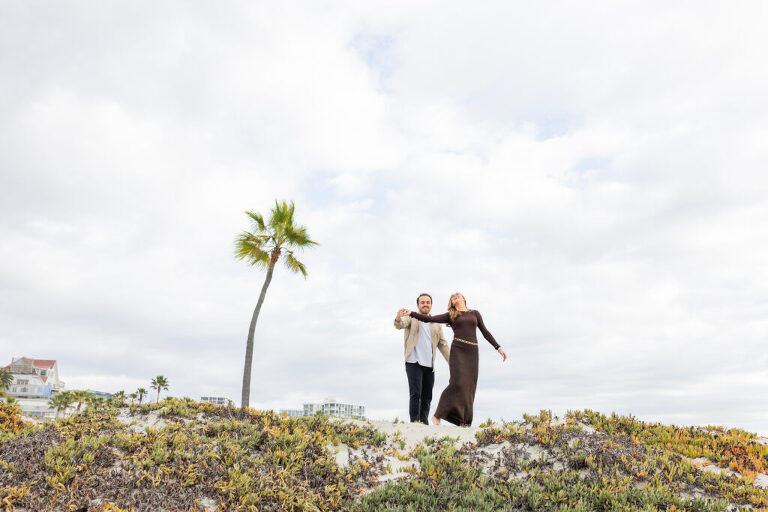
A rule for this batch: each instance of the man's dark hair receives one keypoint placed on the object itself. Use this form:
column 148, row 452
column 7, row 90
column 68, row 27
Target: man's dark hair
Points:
column 424, row 295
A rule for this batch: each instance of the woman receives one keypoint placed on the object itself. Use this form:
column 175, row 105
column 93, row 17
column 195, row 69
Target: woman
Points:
column 458, row 398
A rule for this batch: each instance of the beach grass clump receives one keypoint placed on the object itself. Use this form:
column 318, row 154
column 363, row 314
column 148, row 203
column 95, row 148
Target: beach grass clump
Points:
column 233, row 459
column 735, row 449
column 553, row 465
column 178, row 454
column 11, row 423
column 451, row 479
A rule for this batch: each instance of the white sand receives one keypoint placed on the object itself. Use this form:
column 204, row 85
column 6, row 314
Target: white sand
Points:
column 402, row 438
column 415, row 433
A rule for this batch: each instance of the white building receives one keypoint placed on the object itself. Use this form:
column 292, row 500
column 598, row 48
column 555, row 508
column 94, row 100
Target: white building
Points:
column 312, row 409
column 331, row 407
column 217, row 400
column 35, row 381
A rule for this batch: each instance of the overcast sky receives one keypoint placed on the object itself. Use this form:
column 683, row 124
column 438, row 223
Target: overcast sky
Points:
column 592, row 176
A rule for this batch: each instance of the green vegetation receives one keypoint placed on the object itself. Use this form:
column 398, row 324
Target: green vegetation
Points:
column 6, row 378
column 246, row 461
column 11, row 423
column 561, row 467
column 201, row 456
column 80, row 397
column 61, row 401
column 735, row 448
column 159, row 383
column 263, row 246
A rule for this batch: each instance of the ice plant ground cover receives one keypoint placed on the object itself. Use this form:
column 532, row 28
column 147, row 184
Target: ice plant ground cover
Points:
column 183, row 455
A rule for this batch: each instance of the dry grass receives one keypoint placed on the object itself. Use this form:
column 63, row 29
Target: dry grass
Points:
column 204, row 457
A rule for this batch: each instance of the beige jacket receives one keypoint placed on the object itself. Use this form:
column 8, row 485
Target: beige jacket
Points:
column 411, row 326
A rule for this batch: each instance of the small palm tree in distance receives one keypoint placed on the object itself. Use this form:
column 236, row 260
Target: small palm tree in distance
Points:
column 118, row 398
column 96, row 402
column 80, row 396
column 142, row 393
column 159, row 383
column 61, row 401
column 262, row 247
column 6, row 378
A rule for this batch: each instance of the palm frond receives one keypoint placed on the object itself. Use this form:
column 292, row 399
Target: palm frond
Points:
column 6, row 378
column 294, row 265
column 259, row 259
column 271, row 236
column 280, row 215
column 249, row 239
column 258, row 221
column 252, row 248
column 297, row 236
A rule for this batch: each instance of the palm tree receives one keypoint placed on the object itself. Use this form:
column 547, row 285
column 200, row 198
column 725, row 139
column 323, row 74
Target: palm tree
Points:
column 118, row 398
column 6, row 379
column 96, row 402
column 61, row 401
column 263, row 248
column 142, row 393
column 80, row 396
column 159, row 383
column 133, row 396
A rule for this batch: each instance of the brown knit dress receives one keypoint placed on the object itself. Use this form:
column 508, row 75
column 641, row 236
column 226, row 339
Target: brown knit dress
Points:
column 458, row 399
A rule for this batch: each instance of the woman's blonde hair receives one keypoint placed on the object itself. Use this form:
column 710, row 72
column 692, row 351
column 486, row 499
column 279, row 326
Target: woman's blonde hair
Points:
column 454, row 313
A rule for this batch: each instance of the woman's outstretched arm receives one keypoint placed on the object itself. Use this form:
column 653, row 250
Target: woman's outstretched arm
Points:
column 488, row 336
column 438, row 319
column 483, row 329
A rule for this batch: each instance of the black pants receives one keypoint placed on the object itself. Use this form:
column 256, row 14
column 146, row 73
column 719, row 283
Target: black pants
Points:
column 421, row 380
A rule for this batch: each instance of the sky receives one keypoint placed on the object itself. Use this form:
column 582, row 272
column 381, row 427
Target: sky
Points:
column 591, row 176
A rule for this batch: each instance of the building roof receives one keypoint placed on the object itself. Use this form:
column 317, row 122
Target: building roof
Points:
column 36, row 363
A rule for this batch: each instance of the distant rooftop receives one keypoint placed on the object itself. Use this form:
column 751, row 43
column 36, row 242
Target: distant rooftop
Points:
column 30, row 363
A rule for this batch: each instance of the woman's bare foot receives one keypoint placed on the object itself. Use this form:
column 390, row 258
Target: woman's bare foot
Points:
column 435, row 420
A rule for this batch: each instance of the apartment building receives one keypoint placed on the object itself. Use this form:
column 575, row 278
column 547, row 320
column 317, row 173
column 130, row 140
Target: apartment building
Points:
column 335, row 407
column 331, row 407
column 217, row 400
column 35, row 381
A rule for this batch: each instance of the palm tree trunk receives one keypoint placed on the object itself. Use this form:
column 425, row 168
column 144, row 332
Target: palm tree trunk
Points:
column 246, row 395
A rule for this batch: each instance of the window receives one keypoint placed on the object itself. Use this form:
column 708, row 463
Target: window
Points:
column 22, row 381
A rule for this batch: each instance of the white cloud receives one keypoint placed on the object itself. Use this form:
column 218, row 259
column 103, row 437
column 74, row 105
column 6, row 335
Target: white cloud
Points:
column 591, row 177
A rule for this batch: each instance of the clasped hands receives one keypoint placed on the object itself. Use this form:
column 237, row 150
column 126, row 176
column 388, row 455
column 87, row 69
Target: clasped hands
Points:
column 405, row 312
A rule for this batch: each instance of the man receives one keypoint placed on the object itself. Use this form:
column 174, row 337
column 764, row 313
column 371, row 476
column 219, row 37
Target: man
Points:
column 421, row 340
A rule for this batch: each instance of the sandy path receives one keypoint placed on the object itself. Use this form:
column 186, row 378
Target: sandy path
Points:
column 414, row 433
